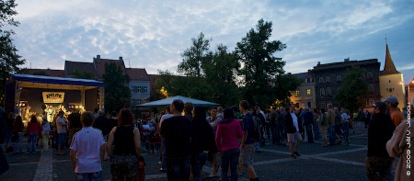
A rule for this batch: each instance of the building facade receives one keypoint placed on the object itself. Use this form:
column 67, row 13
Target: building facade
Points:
column 392, row 81
column 305, row 95
column 328, row 79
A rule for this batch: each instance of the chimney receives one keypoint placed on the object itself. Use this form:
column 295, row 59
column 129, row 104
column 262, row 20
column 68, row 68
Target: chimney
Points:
column 120, row 58
column 98, row 57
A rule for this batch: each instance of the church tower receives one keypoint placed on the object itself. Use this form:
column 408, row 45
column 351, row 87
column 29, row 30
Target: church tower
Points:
column 391, row 80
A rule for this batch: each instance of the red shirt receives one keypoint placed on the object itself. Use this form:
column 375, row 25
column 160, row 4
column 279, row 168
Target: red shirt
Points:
column 227, row 135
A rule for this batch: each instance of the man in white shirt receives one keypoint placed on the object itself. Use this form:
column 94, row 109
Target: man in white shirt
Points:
column 61, row 123
column 87, row 150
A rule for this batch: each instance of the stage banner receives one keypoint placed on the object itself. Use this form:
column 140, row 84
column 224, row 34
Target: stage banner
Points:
column 53, row 97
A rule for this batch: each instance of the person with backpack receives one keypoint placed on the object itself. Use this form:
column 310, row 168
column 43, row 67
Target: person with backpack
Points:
column 247, row 145
column 294, row 130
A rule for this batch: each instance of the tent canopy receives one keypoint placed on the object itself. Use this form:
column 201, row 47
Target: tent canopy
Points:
column 169, row 100
column 40, row 81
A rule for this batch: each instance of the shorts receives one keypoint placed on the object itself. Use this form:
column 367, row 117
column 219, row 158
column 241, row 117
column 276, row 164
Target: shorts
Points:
column 247, row 154
column 294, row 137
column 62, row 139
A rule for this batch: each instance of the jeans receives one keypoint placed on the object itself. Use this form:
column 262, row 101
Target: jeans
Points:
column 229, row 157
column 346, row 130
column 197, row 162
column 62, row 139
column 309, row 133
column 96, row 176
column 332, row 135
column 18, row 143
column 178, row 169
column 316, row 130
column 9, row 134
column 163, row 150
column 31, row 140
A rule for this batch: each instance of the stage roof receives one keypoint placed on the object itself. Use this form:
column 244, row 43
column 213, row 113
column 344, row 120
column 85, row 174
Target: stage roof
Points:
column 49, row 82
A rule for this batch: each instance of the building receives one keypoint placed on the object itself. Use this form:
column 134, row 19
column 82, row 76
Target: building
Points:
column 392, row 81
column 328, row 79
column 410, row 92
column 305, row 96
column 139, row 84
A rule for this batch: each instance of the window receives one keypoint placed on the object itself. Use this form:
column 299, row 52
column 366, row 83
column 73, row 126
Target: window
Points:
column 297, row 93
column 139, row 89
column 322, row 91
column 328, row 91
column 339, row 78
column 327, row 79
column 308, row 92
column 323, row 105
column 321, row 80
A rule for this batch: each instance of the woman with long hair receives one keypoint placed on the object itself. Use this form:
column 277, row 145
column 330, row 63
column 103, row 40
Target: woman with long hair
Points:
column 227, row 134
column 33, row 130
column 202, row 140
column 18, row 127
column 124, row 147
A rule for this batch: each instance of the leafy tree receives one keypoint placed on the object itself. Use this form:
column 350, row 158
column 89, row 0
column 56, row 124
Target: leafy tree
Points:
column 261, row 70
column 194, row 57
column 220, row 73
column 9, row 59
column 82, row 75
column 117, row 93
column 353, row 90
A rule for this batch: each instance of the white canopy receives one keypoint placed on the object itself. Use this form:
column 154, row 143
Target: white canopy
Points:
column 169, row 100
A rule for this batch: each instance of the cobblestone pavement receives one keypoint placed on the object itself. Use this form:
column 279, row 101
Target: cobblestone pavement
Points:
column 336, row 163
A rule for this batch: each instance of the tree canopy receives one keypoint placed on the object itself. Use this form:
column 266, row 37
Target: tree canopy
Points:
column 117, row 92
column 353, row 90
column 9, row 59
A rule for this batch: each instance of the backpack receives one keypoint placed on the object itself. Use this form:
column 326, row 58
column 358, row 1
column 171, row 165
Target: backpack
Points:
column 255, row 128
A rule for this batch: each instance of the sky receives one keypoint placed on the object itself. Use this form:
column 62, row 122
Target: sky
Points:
column 154, row 34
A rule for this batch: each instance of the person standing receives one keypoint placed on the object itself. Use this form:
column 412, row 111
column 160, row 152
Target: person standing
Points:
column 293, row 130
column 45, row 132
column 215, row 118
column 399, row 146
column 18, row 127
column 378, row 163
column 124, row 147
column 163, row 149
column 61, row 123
column 228, row 132
column 323, row 122
column 74, row 124
column 177, row 132
column 307, row 119
column 201, row 141
column 33, row 130
column 392, row 106
column 87, row 150
column 247, row 145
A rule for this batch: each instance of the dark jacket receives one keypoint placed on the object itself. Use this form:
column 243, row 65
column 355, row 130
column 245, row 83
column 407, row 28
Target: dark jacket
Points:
column 203, row 136
column 290, row 128
column 380, row 130
column 177, row 132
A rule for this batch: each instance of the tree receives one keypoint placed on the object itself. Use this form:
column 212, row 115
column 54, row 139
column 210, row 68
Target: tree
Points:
column 353, row 90
column 117, row 92
column 9, row 59
column 194, row 57
column 261, row 71
column 82, row 75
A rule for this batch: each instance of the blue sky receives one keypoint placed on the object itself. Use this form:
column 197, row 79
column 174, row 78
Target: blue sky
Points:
column 153, row 34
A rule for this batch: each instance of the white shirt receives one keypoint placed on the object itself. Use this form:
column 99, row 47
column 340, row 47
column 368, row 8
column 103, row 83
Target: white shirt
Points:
column 87, row 143
column 61, row 125
column 164, row 117
column 295, row 121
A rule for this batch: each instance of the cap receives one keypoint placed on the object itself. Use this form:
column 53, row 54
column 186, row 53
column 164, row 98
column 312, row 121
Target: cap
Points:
column 381, row 106
column 391, row 99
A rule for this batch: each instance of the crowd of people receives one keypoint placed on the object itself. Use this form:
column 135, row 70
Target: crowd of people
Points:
column 187, row 137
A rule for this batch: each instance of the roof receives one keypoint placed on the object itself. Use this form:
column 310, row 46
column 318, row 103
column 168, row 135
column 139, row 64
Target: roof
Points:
column 47, row 72
column 169, row 100
column 40, row 81
column 345, row 63
column 100, row 64
column 137, row 74
column 84, row 67
column 389, row 67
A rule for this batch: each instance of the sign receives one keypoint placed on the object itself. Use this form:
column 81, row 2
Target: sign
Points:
column 53, row 97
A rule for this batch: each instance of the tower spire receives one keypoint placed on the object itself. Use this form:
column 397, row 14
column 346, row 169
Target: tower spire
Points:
column 389, row 67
